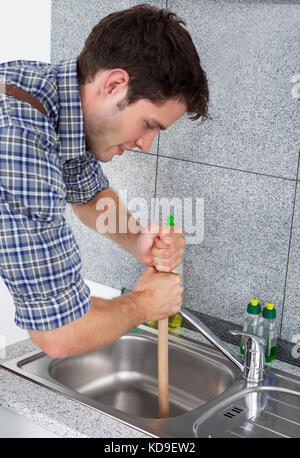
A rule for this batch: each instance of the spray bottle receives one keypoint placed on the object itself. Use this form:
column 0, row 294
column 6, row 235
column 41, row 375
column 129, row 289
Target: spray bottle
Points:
column 251, row 321
column 270, row 331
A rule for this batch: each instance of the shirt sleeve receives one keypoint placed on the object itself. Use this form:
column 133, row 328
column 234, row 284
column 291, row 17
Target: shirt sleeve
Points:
column 39, row 258
column 83, row 178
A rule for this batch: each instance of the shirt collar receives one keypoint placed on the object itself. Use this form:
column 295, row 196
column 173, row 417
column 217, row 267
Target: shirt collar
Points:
column 70, row 118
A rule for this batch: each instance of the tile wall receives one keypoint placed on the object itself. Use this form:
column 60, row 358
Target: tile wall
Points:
column 244, row 163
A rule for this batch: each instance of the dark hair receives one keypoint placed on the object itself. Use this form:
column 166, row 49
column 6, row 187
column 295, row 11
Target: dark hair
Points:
column 156, row 51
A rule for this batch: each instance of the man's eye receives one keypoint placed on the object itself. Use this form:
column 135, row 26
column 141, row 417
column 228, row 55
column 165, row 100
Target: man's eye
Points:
column 149, row 126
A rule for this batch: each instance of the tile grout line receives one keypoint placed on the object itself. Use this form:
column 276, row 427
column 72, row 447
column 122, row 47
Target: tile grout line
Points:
column 218, row 166
column 289, row 249
column 229, row 168
column 152, row 217
column 156, row 165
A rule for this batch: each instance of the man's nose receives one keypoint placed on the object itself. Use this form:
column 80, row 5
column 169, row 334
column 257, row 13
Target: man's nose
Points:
column 145, row 142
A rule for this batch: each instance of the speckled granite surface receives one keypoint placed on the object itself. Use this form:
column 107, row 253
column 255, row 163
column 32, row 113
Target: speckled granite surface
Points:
column 63, row 416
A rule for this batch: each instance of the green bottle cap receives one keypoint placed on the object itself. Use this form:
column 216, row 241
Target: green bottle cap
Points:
column 269, row 311
column 254, row 307
column 170, row 221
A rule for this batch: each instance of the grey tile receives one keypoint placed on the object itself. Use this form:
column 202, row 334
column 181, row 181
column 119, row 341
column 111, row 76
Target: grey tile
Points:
column 247, row 222
column 249, row 52
column 291, row 316
column 73, row 20
column 133, row 171
column 103, row 260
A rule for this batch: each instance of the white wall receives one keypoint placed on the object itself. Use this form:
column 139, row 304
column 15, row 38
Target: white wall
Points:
column 25, row 33
column 25, row 30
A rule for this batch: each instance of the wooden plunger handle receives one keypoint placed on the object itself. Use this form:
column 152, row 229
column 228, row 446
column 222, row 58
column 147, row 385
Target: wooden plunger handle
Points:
column 163, row 368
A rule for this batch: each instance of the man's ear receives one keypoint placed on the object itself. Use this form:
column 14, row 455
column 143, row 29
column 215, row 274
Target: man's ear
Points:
column 114, row 82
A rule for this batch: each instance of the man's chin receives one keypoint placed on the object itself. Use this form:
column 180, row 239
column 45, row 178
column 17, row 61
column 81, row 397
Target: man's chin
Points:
column 107, row 155
column 103, row 157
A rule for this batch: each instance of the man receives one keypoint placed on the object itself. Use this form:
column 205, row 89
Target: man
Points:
column 138, row 73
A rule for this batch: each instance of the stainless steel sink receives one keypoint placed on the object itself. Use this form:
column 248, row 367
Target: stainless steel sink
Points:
column 124, row 376
column 121, row 381
column 259, row 411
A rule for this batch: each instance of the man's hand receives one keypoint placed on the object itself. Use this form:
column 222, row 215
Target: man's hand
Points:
column 161, row 246
column 158, row 294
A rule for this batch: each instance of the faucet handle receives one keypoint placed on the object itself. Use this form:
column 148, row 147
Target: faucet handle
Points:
column 257, row 341
column 254, row 359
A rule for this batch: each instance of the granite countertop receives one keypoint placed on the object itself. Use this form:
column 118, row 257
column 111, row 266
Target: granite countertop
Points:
column 63, row 416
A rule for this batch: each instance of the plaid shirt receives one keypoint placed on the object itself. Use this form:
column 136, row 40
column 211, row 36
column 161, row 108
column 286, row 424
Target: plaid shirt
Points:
column 43, row 165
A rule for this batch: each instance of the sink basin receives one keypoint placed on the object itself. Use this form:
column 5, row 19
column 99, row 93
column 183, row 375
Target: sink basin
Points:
column 124, row 376
column 121, row 381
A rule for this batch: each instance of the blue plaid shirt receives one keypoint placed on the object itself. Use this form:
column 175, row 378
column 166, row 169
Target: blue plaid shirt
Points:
column 43, row 165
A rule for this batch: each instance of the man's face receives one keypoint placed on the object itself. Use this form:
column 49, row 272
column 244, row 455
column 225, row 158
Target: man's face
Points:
column 112, row 126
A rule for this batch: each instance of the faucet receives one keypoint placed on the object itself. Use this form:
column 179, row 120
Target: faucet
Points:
column 253, row 365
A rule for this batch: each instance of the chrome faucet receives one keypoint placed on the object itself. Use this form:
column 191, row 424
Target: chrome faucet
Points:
column 253, row 365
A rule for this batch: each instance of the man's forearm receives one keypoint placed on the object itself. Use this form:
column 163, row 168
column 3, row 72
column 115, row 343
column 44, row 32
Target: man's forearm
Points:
column 105, row 322
column 118, row 230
